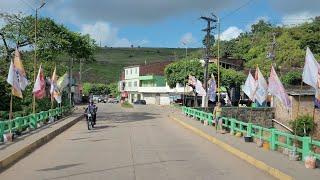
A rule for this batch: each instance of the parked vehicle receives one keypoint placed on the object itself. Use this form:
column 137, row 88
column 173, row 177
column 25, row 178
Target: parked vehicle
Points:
column 113, row 100
column 95, row 98
column 103, row 99
column 142, row 102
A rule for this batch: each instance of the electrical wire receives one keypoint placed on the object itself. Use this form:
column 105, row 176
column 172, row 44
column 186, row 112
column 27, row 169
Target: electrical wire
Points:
column 237, row 9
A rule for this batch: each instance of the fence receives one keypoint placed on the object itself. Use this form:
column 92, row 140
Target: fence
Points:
column 276, row 138
column 21, row 123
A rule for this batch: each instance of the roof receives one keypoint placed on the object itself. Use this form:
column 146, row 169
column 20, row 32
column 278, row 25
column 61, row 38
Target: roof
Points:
column 154, row 68
column 298, row 91
column 231, row 61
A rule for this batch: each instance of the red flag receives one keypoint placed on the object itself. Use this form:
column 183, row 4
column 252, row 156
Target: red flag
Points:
column 40, row 85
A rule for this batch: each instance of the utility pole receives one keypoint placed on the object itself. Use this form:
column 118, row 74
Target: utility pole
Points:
column 208, row 29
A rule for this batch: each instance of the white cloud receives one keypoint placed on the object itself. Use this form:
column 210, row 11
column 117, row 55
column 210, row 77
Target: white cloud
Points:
column 187, row 39
column 230, row 33
column 105, row 33
column 298, row 18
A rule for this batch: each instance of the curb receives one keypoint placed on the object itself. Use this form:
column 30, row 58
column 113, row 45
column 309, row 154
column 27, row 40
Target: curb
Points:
column 249, row 159
column 24, row 151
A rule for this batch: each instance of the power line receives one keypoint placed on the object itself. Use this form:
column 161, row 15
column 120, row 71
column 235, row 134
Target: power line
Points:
column 237, row 9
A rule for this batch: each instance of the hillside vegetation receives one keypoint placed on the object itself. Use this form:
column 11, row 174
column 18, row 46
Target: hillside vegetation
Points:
column 110, row 61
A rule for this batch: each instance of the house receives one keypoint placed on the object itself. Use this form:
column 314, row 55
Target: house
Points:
column 147, row 82
column 228, row 62
column 302, row 104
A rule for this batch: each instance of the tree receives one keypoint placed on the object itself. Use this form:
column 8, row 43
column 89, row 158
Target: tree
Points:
column 52, row 38
column 113, row 89
column 211, row 40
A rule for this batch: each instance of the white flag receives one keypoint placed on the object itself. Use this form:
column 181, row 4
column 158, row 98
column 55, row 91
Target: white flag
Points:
column 249, row 86
column 276, row 89
column 199, row 89
column 310, row 70
column 260, row 93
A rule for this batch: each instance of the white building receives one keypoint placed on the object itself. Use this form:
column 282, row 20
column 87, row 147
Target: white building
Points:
column 146, row 82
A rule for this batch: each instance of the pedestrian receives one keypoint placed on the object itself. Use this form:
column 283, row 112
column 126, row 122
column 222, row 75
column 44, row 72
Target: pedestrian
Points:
column 217, row 116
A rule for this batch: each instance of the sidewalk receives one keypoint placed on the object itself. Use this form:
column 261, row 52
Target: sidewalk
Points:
column 274, row 159
column 11, row 152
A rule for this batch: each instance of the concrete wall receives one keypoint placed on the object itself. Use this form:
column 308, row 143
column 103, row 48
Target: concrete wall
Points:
column 305, row 108
column 164, row 99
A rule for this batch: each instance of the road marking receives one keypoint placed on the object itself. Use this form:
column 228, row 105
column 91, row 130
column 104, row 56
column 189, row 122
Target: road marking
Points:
column 251, row 160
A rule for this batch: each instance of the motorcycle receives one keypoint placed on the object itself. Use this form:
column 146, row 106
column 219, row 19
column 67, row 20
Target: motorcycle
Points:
column 90, row 121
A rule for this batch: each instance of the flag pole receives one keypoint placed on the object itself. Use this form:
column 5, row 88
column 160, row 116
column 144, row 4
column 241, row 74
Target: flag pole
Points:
column 298, row 111
column 11, row 101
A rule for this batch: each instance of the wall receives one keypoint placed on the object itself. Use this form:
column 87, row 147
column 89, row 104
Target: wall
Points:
column 164, row 99
column 305, row 108
column 150, row 98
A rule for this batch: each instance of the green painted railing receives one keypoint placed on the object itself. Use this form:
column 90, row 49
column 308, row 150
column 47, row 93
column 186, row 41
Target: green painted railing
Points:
column 274, row 137
column 20, row 123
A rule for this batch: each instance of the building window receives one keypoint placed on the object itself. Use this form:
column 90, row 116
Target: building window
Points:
column 129, row 84
column 135, row 84
column 136, row 70
column 126, row 72
column 130, row 71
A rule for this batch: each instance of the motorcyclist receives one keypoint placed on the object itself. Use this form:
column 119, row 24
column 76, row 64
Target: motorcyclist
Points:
column 92, row 109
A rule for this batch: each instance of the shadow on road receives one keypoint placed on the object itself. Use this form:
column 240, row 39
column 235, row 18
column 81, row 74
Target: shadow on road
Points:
column 56, row 168
column 121, row 117
column 114, row 168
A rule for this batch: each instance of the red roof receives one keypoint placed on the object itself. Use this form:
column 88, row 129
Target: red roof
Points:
column 154, row 68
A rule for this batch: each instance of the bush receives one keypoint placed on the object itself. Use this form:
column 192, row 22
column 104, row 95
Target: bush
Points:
column 292, row 78
column 303, row 125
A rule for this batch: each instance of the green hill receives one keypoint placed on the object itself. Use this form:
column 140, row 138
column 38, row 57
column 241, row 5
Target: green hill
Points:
column 110, row 61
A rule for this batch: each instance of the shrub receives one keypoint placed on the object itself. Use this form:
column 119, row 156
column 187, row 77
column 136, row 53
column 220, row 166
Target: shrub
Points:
column 302, row 125
column 292, row 78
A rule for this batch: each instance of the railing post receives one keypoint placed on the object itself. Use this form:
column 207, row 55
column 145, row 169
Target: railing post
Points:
column 273, row 139
column 1, row 130
column 305, row 147
column 249, row 129
column 233, row 125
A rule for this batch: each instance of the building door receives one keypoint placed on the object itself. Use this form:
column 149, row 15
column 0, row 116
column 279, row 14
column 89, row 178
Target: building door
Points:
column 158, row 99
column 139, row 96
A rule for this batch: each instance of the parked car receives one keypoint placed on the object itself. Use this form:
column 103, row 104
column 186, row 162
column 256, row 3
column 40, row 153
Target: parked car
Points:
column 113, row 100
column 95, row 98
column 103, row 99
column 142, row 102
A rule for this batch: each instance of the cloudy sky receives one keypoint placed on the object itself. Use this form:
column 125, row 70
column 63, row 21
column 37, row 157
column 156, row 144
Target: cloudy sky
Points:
column 163, row 23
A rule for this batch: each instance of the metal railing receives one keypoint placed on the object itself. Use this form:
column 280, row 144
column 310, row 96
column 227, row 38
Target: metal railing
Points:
column 276, row 138
column 19, row 124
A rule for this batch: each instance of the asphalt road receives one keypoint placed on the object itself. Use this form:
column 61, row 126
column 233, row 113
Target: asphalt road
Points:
column 139, row 143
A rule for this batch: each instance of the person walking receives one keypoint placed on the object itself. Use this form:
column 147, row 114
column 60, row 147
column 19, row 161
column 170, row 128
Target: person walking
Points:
column 217, row 116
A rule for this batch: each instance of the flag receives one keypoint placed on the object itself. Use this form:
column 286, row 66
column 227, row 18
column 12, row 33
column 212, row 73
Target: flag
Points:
column 311, row 74
column 63, row 81
column 260, row 93
column 276, row 89
column 54, row 91
column 12, row 79
column 192, row 80
column 22, row 78
column 212, row 89
column 39, row 89
column 199, row 89
column 249, row 86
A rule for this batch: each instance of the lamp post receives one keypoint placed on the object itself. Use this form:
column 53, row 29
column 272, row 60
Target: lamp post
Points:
column 35, row 53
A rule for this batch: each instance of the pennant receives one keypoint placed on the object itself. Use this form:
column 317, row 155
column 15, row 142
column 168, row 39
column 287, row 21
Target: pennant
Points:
column 276, row 89
column 311, row 74
column 39, row 89
column 54, row 91
column 260, row 92
column 199, row 89
column 212, row 89
column 12, row 79
column 63, row 82
column 22, row 78
column 249, row 86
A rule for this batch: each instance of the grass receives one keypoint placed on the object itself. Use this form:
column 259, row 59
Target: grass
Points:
column 126, row 104
column 110, row 61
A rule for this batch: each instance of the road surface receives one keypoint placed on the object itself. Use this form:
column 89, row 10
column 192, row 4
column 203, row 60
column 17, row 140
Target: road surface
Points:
column 135, row 144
